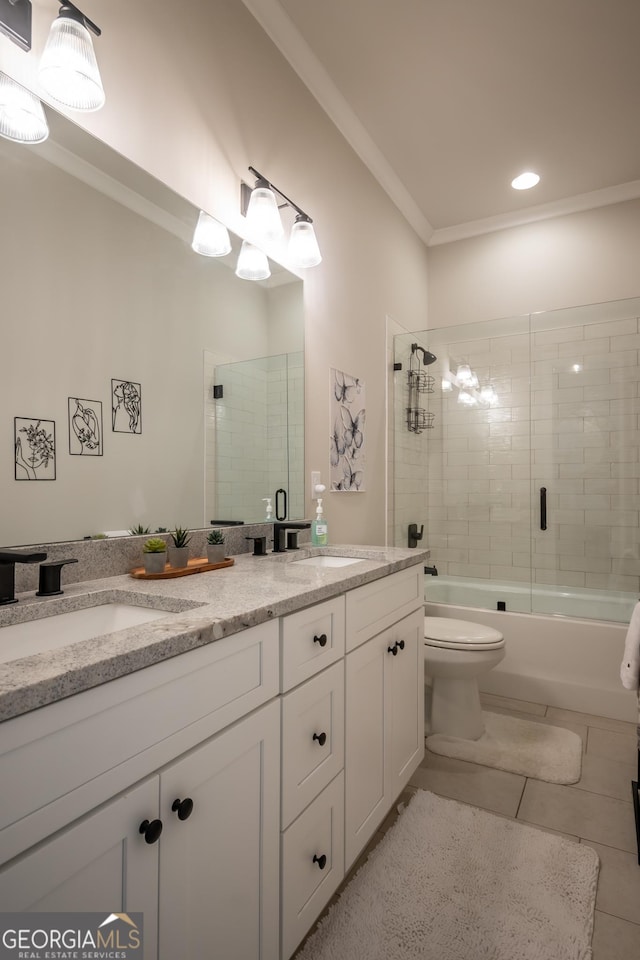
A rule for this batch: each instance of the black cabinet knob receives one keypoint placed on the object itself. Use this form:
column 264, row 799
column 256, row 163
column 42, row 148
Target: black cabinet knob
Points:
column 184, row 808
column 322, row 639
column 321, row 738
column 401, row 644
column 151, row 830
column 320, row 860
column 393, row 650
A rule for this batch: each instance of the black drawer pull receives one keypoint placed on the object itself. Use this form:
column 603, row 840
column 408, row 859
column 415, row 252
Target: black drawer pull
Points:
column 151, row 830
column 393, row 650
column 401, row 644
column 321, row 861
column 184, row 808
column 321, row 738
column 322, row 639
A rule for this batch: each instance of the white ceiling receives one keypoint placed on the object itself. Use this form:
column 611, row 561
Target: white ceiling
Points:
column 447, row 100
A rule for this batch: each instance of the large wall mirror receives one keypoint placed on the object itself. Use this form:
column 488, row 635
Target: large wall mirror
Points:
column 114, row 334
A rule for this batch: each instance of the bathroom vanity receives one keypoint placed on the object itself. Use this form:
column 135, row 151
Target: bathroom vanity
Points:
column 220, row 768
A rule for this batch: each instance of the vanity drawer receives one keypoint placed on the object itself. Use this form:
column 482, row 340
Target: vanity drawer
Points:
column 306, row 887
column 58, row 762
column 311, row 639
column 312, row 739
column 375, row 606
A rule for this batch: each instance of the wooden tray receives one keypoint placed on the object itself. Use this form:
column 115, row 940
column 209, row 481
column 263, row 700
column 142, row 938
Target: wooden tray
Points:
column 200, row 565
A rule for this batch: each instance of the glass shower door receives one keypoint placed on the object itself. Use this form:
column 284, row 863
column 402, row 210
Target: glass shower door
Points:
column 585, row 460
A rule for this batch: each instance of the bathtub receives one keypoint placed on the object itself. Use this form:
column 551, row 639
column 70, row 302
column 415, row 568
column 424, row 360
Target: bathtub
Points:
column 569, row 660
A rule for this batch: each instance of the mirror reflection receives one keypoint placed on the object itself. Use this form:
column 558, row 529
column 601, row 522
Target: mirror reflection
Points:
column 115, row 333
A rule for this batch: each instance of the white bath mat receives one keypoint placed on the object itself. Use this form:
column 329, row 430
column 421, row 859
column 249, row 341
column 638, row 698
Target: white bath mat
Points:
column 536, row 750
column 452, row 882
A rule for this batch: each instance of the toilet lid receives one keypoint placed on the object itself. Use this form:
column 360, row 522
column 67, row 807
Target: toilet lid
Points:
column 462, row 634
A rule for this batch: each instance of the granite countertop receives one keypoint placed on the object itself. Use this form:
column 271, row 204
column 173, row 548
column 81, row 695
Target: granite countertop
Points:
column 200, row 609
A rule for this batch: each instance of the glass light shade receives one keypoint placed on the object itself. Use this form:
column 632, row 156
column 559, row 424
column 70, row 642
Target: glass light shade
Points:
column 303, row 248
column 22, row 118
column 473, row 380
column 68, row 69
column 263, row 216
column 489, row 396
column 447, row 386
column 252, row 263
column 463, row 375
column 210, row 238
column 466, row 399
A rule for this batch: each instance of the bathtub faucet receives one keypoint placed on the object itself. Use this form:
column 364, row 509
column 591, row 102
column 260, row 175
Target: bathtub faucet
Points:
column 431, row 570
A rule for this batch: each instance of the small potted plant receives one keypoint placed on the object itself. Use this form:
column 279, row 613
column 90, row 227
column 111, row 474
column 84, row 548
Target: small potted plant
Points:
column 154, row 555
column 215, row 546
column 179, row 547
column 139, row 530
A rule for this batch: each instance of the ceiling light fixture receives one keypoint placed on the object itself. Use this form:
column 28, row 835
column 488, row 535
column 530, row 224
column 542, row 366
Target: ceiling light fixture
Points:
column 22, row 118
column 525, row 181
column 68, row 69
column 210, row 237
column 252, row 263
column 260, row 205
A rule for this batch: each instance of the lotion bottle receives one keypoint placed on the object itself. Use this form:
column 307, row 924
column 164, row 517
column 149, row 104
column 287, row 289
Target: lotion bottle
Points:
column 268, row 508
column 319, row 528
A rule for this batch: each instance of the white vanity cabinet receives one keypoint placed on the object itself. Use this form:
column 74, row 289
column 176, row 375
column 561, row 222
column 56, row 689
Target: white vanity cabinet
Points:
column 206, row 882
column 221, row 792
column 384, row 691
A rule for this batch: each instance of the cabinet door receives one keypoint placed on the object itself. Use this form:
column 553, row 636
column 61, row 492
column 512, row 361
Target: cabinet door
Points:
column 366, row 799
column 101, row 863
column 404, row 708
column 219, row 867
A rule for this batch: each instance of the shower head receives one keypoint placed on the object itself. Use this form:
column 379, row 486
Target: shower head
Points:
column 427, row 357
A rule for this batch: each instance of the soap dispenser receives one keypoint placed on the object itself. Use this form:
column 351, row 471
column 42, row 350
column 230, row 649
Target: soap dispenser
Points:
column 269, row 514
column 319, row 528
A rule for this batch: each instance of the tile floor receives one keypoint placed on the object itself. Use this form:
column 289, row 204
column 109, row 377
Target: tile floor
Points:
column 597, row 810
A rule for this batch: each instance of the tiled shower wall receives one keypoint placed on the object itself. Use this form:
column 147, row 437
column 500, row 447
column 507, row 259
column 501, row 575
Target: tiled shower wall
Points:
column 566, row 419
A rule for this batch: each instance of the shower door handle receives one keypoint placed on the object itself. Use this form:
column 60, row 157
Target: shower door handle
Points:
column 543, row 508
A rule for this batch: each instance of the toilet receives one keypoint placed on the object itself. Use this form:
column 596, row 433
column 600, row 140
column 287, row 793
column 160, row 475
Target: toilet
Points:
column 456, row 653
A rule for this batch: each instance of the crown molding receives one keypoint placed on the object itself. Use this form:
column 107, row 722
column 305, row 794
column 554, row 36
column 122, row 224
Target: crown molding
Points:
column 544, row 211
column 279, row 27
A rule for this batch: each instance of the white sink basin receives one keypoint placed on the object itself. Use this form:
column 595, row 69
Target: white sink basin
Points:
column 327, row 561
column 50, row 633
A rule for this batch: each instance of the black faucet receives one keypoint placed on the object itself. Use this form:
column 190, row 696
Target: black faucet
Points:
column 280, row 528
column 8, row 560
column 50, row 577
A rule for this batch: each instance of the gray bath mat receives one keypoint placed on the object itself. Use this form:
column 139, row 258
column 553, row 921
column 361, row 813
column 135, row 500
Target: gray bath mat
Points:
column 452, row 882
column 536, row 750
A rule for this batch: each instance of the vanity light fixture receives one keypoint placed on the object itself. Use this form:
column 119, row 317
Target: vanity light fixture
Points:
column 68, row 69
column 261, row 206
column 15, row 21
column 22, row 118
column 252, row 263
column 210, row 237
column 525, row 181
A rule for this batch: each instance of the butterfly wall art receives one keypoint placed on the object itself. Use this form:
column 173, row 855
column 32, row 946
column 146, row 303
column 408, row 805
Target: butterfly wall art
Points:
column 347, row 441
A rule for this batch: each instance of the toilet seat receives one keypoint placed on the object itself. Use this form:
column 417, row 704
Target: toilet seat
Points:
column 460, row 635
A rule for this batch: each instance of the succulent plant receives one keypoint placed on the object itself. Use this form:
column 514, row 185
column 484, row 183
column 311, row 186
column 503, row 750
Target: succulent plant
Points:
column 180, row 537
column 215, row 536
column 139, row 530
column 154, row 545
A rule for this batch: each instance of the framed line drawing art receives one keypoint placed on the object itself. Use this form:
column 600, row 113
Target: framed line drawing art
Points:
column 126, row 406
column 85, row 427
column 34, row 448
column 347, row 442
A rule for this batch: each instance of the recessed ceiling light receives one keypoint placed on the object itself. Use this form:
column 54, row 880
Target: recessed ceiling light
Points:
column 525, row 181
